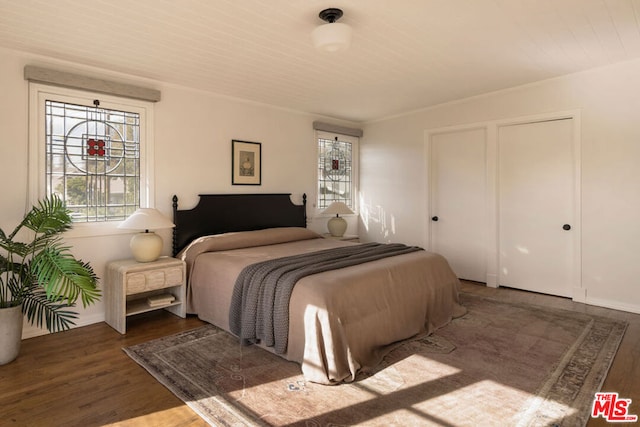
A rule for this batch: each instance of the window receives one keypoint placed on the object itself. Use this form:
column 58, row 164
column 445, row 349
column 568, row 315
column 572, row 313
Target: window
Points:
column 93, row 160
column 91, row 150
column 337, row 169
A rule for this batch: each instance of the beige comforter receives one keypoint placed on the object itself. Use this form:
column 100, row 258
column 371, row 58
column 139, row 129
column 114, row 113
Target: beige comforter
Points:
column 341, row 322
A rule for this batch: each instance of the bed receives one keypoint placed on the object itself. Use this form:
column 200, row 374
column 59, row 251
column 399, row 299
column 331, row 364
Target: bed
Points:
column 338, row 322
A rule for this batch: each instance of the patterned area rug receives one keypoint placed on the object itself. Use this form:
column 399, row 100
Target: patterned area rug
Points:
column 501, row 364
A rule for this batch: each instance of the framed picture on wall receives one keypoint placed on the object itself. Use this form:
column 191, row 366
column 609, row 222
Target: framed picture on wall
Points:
column 246, row 163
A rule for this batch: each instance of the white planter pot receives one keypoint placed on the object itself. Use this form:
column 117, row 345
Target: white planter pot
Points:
column 10, row 333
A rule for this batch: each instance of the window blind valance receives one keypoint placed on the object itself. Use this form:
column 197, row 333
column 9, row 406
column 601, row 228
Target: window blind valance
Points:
column 76, row 81
column 342, row 130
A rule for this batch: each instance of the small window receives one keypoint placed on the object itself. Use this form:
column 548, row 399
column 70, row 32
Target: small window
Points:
column 93, row 160
column 337, row 169
column 92, row 150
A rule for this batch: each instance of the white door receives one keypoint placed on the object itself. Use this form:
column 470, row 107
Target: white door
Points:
column 536, row 206
column 458, row 225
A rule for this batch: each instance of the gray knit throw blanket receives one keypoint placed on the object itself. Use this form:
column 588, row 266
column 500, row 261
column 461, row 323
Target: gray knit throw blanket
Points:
column 259, row 311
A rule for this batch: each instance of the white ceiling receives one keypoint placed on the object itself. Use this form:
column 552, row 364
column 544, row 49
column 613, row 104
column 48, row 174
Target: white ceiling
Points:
column 405, row 55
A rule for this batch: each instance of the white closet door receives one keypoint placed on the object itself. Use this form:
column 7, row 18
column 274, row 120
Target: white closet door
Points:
column 536, row 206
column 458, row 214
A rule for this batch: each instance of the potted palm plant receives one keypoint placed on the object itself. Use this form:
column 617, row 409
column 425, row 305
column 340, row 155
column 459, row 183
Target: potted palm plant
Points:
column 39, row 277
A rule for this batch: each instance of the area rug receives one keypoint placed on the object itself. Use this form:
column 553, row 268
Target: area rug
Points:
column 501, row 364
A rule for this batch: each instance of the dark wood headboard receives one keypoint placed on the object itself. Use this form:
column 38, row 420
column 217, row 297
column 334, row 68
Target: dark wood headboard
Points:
column 224, row 213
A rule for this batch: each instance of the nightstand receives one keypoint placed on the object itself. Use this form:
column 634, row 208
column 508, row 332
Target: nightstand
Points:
column 346, row 237
column 130, row 284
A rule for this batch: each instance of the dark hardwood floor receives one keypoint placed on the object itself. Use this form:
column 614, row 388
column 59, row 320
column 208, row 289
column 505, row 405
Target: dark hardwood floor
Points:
column 83, row 378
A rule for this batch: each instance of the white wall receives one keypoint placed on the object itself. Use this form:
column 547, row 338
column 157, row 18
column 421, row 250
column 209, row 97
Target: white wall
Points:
column 193, row 132
column 394, row 186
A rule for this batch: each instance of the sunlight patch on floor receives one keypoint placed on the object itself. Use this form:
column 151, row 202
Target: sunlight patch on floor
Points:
column 153, row 419
column 494, row 399
column 389, row 379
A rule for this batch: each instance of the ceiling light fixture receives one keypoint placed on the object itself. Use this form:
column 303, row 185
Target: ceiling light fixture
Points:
column 333, row 36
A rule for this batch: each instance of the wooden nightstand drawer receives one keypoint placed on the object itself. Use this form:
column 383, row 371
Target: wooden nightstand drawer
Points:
column 174, row 276
column 135, row 283
column 153, row 279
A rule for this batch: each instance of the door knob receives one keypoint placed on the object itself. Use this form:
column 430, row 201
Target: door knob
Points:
column 434, row 218
column 566, row 227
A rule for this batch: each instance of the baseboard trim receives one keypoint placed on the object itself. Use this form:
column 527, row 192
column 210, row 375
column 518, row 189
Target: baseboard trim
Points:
column 580, row 295
column 631, row 308
column 492, row 280
column 30, row 331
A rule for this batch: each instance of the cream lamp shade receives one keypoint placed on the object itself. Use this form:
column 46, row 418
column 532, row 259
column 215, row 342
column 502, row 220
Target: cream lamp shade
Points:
column 332, row 36
column 146, row 246
column 336, row 225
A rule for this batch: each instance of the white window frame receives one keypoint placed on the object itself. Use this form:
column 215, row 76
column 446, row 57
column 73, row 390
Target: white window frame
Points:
column 355, row 149
column 38, row 94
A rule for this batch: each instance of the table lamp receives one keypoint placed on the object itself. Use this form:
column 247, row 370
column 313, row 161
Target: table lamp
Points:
column 146, row 246
column 337, row 225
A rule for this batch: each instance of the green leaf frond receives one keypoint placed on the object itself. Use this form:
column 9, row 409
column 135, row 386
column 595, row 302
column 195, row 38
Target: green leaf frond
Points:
column 51, row 216
column 43, row 312
column 19, row 286
column 14, row 282
column 17, row 248
column 62, row 276
column 6, row 265
column 41, row 241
